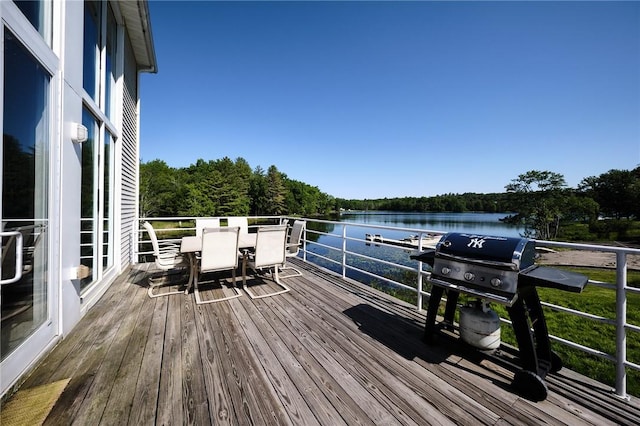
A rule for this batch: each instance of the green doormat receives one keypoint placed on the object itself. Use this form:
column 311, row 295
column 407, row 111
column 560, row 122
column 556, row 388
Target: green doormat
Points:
column 31, row 406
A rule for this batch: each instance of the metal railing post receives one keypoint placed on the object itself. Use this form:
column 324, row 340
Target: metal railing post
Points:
column 621, row 321
column 419, row 301
column 304, row 244
column 344, row 251
column 135, row 236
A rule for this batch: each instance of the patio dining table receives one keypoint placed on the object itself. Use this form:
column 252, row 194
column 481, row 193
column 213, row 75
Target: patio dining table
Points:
column 191, row 245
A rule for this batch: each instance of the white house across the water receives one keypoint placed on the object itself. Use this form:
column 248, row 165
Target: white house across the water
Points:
column 69, row 111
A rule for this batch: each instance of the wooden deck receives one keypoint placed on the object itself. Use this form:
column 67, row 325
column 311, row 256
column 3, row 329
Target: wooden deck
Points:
column 329, row 352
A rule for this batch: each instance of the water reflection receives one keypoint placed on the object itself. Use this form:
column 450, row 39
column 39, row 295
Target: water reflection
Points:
column 478, row 223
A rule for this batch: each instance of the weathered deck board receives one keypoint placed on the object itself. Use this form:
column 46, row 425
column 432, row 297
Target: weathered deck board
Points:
column 328, row 352
column 170, row 389
column 384, row 327
column 145, row 399
column 395, row 399
column 245, row 369
column 84, row 362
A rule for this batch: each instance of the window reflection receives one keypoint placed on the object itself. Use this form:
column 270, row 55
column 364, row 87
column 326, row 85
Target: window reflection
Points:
column 91, row 57
column 25, row 172
column 39, row 14
column 88, row 227
column 110, row 65
column 107, row 230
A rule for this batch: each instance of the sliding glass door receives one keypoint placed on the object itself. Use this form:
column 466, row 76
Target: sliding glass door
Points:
column 28, row 318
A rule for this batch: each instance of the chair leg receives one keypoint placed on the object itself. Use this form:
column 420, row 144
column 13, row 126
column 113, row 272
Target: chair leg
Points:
column 296, row 272
column 276, row 279
column 199, row 301
column 153, row 285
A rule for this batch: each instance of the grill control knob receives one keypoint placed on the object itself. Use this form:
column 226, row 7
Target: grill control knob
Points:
column 496, row 282
column 469, row 276
column 445, row 271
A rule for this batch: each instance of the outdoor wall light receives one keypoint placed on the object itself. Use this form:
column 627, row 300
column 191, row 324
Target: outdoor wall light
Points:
column 79, row 133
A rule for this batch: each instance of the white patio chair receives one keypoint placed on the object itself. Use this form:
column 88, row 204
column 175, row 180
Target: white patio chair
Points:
column 206, row 223
column 219, row 253
column 167, row 258
column 241, row 222
column 293, row 248
column 269, row 254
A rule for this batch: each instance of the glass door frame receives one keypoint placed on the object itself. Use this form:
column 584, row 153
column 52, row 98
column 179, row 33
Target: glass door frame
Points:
column 46, row 333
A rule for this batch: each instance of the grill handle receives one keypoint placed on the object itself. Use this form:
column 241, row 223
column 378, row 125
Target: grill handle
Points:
column 505, row 266
column 427, row 256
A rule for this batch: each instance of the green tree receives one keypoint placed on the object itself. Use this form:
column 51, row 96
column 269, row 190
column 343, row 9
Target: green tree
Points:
column 233, row 192
column 160, row 186
column 276, row 192
column 258, row 192
column 578, row 207
column 200, row 197
column 537, row 197
column 617, row 192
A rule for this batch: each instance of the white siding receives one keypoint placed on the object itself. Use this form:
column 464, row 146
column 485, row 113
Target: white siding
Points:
column 129, row 158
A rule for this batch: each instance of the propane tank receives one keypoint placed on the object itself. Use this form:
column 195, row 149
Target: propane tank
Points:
column 479, row 325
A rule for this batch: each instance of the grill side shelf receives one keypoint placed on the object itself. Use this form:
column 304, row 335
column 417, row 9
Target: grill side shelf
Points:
column 543, row 276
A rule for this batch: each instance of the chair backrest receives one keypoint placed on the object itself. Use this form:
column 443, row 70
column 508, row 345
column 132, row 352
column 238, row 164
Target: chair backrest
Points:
column 219, row 249
column 293, row 245
column 241, row 222
column 206, row 223
column 270, row 246
column 152, row 236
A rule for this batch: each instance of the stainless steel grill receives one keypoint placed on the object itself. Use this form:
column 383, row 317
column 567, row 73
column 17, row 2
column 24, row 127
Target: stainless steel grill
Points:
column 503, row 270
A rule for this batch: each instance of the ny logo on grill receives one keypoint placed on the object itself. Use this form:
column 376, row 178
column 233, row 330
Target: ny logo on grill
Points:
column 476, row 243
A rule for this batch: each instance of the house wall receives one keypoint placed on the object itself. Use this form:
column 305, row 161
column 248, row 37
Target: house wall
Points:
column 64, row 60
column 70, row 167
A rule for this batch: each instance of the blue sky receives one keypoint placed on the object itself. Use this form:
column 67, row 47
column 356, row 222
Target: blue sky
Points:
column 393, row 99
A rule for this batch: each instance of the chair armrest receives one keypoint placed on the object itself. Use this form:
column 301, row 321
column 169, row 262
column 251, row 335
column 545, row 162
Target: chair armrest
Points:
column 167, row 244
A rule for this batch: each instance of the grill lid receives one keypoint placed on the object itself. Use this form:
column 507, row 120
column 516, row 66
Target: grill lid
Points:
column 519, row 253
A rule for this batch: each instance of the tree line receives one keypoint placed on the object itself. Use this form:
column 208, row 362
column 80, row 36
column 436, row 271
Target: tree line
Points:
column 540, row 201
column 225, row 188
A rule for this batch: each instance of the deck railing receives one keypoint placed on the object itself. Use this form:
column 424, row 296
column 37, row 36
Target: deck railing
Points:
column 359, row 251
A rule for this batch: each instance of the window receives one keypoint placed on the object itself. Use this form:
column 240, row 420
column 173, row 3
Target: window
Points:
column 96, row 199
column 107, row 204
column 111, row 62
column 88, row 199
column 98, row 152
column 91, row 58
column 39, row 14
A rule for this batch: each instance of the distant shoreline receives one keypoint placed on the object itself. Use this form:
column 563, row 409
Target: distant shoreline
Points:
column 587, row 258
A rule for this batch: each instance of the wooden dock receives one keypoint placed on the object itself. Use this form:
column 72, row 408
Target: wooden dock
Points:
column 329, row 352
column 413, row 241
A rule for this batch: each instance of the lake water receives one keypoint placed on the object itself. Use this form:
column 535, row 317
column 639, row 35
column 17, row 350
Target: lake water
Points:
column 476, row 223
column 329, row 244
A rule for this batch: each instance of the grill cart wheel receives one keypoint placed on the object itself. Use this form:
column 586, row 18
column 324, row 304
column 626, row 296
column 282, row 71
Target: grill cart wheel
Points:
column 530, row 385
column 556, row 362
